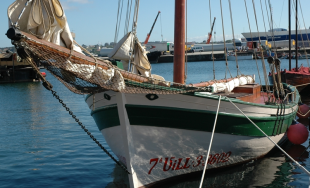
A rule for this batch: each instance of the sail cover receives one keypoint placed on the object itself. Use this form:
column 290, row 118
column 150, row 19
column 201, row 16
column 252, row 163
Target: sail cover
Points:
column 121, row 50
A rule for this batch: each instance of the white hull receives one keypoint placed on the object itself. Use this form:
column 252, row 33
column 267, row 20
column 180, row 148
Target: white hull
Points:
column 161, row 153
column 153, row 153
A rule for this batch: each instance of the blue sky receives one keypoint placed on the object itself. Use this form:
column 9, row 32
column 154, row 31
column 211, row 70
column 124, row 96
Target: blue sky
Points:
column 94, row 21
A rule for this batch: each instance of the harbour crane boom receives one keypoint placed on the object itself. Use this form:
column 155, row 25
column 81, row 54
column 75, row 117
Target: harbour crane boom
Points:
column 149, row 34
column 210, row 34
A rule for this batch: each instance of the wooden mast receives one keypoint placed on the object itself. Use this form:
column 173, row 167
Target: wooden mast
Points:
column 290, row 35
column 179, row 42
column 296, row 33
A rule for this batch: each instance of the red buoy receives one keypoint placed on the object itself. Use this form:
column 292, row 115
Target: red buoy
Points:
column 43, row 74
column 297, row 134
column 303, row 111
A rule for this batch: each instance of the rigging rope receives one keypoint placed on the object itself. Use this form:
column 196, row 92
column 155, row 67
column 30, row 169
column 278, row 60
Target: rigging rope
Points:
column 261, row 51
column 271, row 25
column 281, row 13
column 118, row 20
column 128, row 13
column 260, row 81
column 306, row 33
column 161, row 29
column 261, row 6
column 211, row 140
column 134, row 30
column 301, row 167
column 212, row 56
column 119, row 23
column 225, row 51
column 232, row 27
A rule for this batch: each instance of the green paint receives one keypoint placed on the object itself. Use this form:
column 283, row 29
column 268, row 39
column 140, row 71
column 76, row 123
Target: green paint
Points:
column 203, row 120
column 106, row 117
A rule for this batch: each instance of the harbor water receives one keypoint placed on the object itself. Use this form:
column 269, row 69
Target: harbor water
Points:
column 42, row 146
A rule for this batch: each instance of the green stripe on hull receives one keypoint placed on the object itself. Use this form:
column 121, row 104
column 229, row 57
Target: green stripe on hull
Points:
column 106, row 117
column 199, row 120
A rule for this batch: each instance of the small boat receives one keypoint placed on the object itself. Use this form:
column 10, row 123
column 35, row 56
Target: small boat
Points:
column 241, row 56
column 298, row 76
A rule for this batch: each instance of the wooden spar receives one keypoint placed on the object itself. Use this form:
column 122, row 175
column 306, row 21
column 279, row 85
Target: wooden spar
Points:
column 179, row 42
column 205, row 84
column 78, row 57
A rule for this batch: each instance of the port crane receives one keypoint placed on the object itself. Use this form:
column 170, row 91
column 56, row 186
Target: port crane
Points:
column 210, row 34
column 149, row 34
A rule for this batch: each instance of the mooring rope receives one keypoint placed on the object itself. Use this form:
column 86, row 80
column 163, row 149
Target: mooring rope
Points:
column 301, row 167
column 210, row 144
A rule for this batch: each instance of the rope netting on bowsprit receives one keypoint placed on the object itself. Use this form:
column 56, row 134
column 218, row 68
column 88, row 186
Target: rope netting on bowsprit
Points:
column 83, row 75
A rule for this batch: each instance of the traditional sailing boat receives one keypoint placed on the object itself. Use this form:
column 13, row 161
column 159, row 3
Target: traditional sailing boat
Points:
column 298, row 76
column 158, row 129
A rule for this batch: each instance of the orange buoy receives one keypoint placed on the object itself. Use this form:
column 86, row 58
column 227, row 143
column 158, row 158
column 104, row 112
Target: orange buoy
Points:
column 297, row 133
column 303, row 111
column 43, row 74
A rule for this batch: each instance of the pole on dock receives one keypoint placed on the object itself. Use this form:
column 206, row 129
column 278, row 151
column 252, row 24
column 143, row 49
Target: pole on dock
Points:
column 289, row 34
column 296, row 43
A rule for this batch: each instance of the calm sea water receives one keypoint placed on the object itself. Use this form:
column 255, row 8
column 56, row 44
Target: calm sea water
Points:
column 41, row 145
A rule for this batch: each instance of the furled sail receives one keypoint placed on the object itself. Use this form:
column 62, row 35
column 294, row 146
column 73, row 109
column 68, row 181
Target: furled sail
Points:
column 121, row 50
column 44, row 19
column 141, row 62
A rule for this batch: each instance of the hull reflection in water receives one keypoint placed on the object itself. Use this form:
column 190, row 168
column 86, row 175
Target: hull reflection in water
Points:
column 274, row 170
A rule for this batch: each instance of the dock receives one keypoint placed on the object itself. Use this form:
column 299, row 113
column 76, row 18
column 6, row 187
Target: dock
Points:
column 219, row 55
